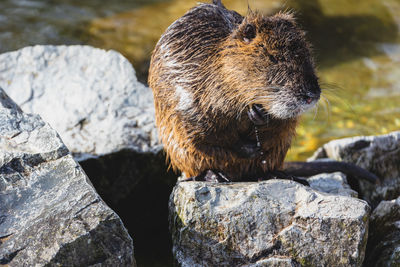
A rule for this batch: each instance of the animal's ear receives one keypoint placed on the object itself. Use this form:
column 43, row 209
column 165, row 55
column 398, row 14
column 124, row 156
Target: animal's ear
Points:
column 246, row 32
column 249, row 32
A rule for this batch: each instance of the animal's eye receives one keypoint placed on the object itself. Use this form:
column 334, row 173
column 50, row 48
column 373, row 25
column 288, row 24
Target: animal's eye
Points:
column 272, row 59
column 249, row 33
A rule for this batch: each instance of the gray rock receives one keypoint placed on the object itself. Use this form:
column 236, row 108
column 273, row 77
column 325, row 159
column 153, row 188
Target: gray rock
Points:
column 333, row 183
column 49, row 212
column 378, row 154
column 92, row 98
column 383, row 248
column 246, row 224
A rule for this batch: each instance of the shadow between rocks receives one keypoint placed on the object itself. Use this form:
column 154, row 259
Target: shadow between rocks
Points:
column 137, row 187
column 383, row 238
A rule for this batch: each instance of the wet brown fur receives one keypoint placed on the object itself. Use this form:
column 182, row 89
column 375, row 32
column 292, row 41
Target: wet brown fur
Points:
column 205, row 74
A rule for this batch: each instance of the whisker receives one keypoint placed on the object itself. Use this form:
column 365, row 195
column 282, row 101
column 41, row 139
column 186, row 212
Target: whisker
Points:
column 327, row 106
column 331, row 86
column 337, row 98
column 316, row 111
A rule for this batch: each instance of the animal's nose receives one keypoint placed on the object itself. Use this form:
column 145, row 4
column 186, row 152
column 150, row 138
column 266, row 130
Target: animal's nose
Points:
column 311, row 96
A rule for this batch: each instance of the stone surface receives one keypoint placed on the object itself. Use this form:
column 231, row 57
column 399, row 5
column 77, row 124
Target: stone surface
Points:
column 49, row 212
column 90, row 96
column 383, row 248
column 333, row 183
column 378, row 154
column 245, row 224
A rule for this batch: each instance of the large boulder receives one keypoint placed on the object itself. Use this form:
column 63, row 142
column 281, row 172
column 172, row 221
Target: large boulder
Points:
column 90, row 96
column 378, row 154
column 274, row 222
column 50, row 213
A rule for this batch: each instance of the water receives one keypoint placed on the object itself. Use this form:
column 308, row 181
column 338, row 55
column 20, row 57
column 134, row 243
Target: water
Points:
column 356, row 46
column 357, row 49
column 30, row 22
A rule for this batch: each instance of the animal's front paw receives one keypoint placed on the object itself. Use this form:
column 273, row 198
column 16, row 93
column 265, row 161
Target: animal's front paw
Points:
column 257, row 115
column 210, row 176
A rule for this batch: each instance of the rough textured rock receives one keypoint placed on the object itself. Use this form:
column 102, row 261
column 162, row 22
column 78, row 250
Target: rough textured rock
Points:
column 383, row 247
column 245, row 224
column 378, row 154
column 49, row 212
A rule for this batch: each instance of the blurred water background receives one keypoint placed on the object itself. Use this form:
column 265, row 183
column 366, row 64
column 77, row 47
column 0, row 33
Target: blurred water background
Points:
column 356, row 46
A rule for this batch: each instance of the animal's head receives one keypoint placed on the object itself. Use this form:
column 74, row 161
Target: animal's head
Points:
column 268, row 63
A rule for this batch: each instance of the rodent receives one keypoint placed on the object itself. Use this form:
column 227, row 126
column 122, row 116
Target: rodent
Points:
column 210, row 68
column 228, row 90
